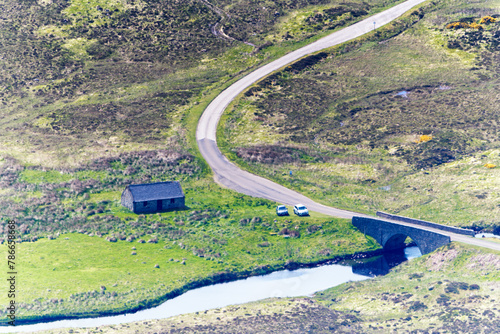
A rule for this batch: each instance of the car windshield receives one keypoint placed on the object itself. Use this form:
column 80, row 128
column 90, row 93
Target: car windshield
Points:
column 301, row 208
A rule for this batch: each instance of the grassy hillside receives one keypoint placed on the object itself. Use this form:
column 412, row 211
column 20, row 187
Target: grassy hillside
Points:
column 85, row 79
column 404, row 124
column 96, row 95
column 454, row 289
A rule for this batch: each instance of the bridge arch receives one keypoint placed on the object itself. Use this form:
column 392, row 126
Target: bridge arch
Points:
column 392, row 235
column 396, row 241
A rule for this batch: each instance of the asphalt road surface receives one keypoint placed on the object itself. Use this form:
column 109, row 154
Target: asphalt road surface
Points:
column 229, row 175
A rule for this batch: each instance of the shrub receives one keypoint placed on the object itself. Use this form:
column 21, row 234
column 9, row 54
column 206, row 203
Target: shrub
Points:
column 325, row 252
column 457, row 25
column 474, row 25
column 417, row 306
column 423, row 139
column 443, row 300
column 288, row 232
column 454, row 287
column 111, row 238
column 464, row 25
column 313, row 228
column 244, row 221
column 487, row 19
column 415, row 275
column 284, row 231
column 256, row 220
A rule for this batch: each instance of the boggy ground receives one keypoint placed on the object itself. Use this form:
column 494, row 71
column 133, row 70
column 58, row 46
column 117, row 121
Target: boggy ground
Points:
column 404, row 124
column 455, row 289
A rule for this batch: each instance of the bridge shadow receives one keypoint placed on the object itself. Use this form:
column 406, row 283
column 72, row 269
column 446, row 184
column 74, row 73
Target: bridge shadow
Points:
column 382, row 264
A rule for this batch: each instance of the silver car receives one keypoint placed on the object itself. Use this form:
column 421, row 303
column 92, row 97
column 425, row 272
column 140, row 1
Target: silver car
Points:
column 281, row 210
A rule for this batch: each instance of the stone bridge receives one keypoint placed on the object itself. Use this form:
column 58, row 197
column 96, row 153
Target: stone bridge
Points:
column 393, row 235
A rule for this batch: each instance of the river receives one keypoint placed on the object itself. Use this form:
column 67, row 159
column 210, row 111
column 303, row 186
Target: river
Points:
column 284, row 283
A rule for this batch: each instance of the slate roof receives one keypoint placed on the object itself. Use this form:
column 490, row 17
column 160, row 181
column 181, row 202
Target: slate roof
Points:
column 156, row 191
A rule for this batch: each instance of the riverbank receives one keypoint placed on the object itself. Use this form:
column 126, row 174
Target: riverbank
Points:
column 455, row 289
column 217, row 278
column 283, row 283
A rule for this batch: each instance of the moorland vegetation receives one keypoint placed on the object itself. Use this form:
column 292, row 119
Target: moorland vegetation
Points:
column 99, row 94
column 403, row 122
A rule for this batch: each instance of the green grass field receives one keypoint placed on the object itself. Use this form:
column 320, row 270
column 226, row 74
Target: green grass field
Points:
column 63, row 275
column 76, row 237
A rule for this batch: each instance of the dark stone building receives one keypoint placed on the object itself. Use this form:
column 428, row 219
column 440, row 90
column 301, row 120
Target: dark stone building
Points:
column 153, row 197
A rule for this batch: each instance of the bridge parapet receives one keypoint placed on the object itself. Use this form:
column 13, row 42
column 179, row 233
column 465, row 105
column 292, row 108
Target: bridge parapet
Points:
column 451, row 229
column 392, row 235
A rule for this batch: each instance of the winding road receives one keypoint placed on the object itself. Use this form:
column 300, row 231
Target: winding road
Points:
column 229, row 175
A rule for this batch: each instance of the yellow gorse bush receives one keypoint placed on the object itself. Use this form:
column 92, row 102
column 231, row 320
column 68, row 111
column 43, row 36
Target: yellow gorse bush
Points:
column 490, row 165
column 423, row 138
column 464, row 25
column 487, row 19
column 474, row 25
column 457, row 25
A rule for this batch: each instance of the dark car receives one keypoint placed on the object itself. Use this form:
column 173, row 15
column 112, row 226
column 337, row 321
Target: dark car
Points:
column 281, row 210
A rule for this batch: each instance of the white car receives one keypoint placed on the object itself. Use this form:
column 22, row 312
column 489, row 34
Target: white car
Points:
column 300, row 210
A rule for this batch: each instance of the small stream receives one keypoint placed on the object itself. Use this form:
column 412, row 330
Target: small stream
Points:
column 284, row 283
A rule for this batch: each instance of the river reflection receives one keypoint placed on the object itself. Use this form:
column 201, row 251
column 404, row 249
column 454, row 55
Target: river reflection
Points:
column 285, row 283
column 381, row 265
